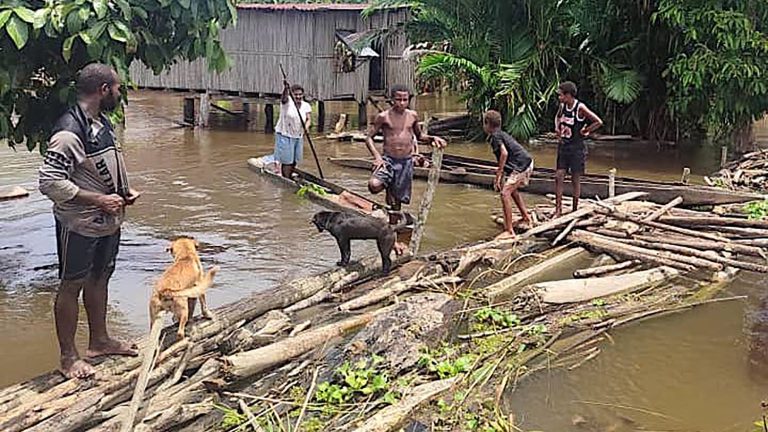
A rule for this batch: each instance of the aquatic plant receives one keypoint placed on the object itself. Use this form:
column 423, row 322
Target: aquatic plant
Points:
column 757, row 209
column 311, row 187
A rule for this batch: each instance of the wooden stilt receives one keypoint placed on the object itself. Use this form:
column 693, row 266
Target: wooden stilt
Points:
column 269, row 111
column 612, row 183
column 246, row 113
column 189, row 110
column 362, row 115
column 320, row 116
column 205, row 109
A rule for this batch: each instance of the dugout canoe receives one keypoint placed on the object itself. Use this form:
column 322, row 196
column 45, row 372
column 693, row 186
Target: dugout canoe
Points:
column 480, row 172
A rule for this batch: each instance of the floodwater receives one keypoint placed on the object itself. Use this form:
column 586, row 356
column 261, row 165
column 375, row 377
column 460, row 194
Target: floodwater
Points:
column 691, row 367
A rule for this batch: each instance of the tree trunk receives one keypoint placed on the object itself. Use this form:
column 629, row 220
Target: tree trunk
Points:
column 744, row 139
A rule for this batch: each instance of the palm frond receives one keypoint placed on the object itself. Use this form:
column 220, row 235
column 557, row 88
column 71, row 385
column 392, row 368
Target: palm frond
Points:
column 621, row 85
column 442, row 64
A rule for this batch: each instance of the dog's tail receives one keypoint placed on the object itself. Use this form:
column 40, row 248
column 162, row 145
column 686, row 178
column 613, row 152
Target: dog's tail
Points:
column 198, row 289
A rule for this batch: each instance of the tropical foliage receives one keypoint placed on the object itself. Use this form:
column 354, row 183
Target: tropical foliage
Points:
column 654, row 68
column 44, row 43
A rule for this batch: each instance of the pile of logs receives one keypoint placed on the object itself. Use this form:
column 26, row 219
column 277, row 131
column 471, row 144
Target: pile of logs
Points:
column 642, row 232
column 265, row 356
column 750, row 172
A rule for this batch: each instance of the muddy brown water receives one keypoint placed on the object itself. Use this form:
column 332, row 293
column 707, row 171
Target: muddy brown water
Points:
column 691, row 370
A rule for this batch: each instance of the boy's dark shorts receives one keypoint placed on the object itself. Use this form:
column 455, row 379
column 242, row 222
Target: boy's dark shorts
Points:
column 81, row 256
column 397, row 177
column 572, row 159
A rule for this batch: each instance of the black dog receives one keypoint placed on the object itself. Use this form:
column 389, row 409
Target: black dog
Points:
column 345, row 227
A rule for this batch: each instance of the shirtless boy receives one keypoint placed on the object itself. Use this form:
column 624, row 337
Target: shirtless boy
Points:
column 393, row 171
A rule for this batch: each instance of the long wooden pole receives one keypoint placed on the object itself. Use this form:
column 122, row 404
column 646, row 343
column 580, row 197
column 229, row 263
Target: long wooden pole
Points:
column 426, row 201
column 304, row 126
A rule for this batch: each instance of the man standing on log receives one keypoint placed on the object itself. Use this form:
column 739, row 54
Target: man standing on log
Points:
column 571, row 129
column 393, row 171
column 289, row 133
column 83, row 173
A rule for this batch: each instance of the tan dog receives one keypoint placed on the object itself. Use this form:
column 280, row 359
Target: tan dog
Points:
column 181, row 284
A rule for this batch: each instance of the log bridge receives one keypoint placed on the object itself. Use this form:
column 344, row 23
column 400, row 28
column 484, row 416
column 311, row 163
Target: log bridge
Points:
column 273, row 359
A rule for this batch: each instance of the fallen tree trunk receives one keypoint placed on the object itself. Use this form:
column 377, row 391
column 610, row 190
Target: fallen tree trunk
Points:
column 507, row 287
column 249, row 363
column 633, row 252
column 709, row 256
column 390, row 417
column 706, row 245
column 661, row 226
column 599, row 271
column 696, row 221
column 580, row 290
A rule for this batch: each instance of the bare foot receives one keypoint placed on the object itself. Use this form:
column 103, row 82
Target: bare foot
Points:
column 400, row 248
column 76, row 368
column 506, row 235
column 111, row 347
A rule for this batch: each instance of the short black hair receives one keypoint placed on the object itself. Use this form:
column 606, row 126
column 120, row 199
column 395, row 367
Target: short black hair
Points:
column 398, row 88
column 492, row 118
column 94, row 75
column 297, row 87
column 568, row 87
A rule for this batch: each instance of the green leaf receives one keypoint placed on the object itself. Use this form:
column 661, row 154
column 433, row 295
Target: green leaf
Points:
column 25, row 14
column 66, row 50
column 100, row 7
column 141, row 13
column 184, row 3
column 116, row 34
column 84, row 14
column 85, row 37
column 4, row 15
column 96, row 31
column 41, row 18
column 18, row 31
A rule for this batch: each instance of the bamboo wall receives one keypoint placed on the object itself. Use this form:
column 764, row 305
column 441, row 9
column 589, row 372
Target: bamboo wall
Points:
column 303, row 41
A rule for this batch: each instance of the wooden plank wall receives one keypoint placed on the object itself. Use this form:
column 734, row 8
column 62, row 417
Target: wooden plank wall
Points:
column 302, row 41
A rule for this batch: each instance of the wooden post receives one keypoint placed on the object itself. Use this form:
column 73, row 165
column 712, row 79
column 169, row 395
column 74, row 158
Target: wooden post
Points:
column 426, row 200
column 362, row 115
column 686, row 176
column 723, row 156
column 612, row 183
column 269, row 111
column 189, row 110
column 320, row 116
column 205, row 109
column 246, row 112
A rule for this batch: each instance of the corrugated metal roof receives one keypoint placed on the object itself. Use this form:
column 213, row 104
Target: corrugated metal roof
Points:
column 306, row 7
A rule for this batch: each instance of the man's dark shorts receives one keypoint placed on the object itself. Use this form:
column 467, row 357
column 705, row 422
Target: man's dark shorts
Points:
column 397, row 176
column 572, row 158
column 80, row 256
